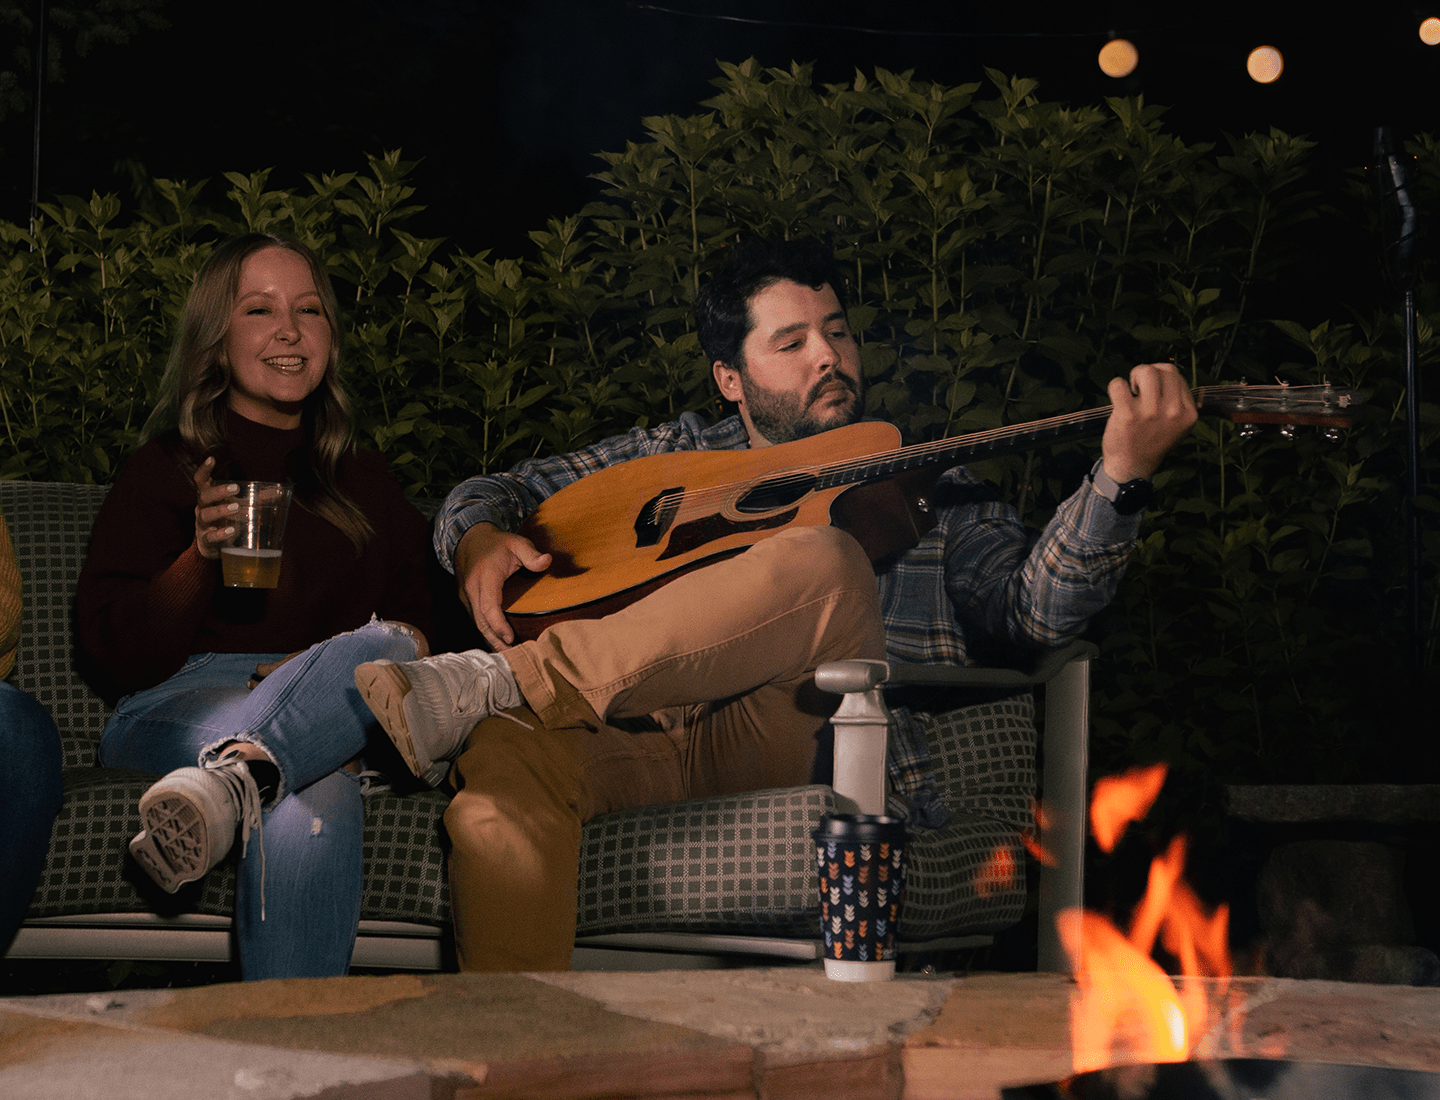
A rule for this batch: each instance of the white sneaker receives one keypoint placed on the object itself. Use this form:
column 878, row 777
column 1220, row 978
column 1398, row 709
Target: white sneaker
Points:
column 189, row 820
column 428, row 707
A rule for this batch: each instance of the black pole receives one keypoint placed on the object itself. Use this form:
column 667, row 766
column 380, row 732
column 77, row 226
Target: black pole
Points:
column 1412, row 433
column 40, row 52
column 1399, row 224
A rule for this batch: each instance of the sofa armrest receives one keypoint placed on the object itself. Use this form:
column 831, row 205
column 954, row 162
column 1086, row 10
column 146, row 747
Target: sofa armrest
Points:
column 862, row 725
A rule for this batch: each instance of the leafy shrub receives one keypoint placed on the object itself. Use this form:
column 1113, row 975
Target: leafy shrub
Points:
column 1006, row 257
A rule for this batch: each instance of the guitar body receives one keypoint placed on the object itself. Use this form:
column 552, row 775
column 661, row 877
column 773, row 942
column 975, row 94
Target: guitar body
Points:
column 625, row 530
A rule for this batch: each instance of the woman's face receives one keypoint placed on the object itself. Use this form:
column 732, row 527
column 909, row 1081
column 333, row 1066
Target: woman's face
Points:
column 278, row 341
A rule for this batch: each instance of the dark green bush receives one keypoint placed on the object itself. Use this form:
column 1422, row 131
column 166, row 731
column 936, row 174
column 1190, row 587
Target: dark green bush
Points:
column 1007, row 257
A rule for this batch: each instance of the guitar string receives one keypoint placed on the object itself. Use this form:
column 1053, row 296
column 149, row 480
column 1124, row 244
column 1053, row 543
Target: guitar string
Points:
column 704, row 497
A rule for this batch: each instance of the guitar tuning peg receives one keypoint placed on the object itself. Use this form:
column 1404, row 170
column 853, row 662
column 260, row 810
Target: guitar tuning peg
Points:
column 1287, row 431
column 1248, row 431
column 1332, row 435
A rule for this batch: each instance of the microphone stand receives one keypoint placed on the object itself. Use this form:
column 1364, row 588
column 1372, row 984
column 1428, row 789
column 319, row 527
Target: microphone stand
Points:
column 1399, row 223
column 1412, row 488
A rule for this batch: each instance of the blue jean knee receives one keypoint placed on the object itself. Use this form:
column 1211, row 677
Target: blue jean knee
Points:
column 307, row 715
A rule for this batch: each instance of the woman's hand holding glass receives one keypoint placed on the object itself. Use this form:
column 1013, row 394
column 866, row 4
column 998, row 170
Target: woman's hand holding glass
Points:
column 215, row 504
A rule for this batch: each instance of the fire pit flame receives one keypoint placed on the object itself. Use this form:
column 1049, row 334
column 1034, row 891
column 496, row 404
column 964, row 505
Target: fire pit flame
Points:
column 1124, row 998
column 1120, row 799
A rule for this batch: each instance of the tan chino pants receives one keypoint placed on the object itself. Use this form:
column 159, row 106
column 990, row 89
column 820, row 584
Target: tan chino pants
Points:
column 721, row 662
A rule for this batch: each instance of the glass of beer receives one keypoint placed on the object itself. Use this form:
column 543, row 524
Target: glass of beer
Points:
column 251, row 559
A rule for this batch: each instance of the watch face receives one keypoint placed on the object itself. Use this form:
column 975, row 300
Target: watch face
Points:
column 1133, row 496
column 1128, row 498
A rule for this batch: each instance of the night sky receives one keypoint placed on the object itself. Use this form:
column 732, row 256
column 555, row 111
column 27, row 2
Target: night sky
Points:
column 505, row 105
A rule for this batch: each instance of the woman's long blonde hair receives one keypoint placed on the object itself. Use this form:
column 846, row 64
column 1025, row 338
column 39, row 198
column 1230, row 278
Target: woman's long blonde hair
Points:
column 198, row 375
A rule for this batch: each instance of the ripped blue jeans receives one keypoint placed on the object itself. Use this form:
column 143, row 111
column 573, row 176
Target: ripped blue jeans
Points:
column 309, row 717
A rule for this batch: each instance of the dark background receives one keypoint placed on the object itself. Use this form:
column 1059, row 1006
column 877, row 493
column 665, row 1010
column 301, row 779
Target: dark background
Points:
column 505, row 105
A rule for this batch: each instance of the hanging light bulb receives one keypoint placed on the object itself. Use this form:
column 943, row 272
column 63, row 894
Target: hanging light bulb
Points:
column 1265, row 64
column 1119, row 57
column 1429, row 31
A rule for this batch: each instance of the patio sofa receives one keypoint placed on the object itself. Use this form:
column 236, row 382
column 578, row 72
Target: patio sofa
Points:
column 704, row 877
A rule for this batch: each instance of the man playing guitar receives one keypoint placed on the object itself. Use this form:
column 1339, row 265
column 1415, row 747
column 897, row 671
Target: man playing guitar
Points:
column 705, row 685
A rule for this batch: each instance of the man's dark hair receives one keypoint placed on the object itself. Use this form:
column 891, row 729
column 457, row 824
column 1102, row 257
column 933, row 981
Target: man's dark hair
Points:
column 722, row 307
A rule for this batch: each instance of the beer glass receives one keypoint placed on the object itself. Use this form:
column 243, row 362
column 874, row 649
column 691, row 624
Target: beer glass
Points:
column 251, row 558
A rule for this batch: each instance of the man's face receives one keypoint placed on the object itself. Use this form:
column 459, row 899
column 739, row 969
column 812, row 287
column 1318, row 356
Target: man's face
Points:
column 802, row 367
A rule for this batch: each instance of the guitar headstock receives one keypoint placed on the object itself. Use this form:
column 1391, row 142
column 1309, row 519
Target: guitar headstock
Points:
column 1325, row 406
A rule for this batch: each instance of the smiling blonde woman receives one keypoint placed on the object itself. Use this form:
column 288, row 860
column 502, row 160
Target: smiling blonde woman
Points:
column 246, row 696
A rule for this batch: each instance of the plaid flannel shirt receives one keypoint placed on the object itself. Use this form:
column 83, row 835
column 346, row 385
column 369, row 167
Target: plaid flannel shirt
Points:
column 979, row 572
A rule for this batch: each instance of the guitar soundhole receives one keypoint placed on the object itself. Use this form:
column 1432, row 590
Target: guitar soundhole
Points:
column 699, row 533
column 779, row 492
column 656, row 515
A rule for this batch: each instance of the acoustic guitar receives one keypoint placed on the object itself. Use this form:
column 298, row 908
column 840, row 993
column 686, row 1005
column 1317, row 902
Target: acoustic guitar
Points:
column 624, row 531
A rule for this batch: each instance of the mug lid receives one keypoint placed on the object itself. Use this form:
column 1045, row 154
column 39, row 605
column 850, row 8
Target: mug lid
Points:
column 860, row 827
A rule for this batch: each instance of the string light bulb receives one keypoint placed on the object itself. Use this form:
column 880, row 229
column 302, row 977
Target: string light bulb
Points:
column 1429, row 31
column 1265, row 64
column 1119, row 57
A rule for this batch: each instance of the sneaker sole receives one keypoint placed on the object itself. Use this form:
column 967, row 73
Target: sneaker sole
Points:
column 384, row 687
column 173, row 843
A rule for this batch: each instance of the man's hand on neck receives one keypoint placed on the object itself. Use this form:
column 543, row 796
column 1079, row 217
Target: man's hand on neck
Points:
column 1153, row 410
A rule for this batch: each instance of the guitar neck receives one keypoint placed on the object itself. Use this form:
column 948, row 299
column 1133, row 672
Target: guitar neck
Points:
column 1320, row 405
column 965, row 448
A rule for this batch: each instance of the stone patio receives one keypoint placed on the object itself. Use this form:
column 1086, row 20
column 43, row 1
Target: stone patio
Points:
column 752, row 1034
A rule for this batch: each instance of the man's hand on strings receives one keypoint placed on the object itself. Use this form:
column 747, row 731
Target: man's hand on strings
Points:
column 485, row 559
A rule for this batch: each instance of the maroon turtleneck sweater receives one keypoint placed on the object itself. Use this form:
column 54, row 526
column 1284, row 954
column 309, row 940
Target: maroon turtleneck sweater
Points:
column 147, row 599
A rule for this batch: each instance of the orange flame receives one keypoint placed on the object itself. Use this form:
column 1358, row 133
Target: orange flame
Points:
column 996, row 873
column 1119, row 985
column 1125, row 1000
column 1031, row 839
column 1121, row 799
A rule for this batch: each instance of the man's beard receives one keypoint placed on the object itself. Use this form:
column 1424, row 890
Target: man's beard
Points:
column 782, row 417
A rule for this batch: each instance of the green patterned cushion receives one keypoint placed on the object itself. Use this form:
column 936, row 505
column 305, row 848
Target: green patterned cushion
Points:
column 404, row 862
column 735, row 865
column 722, row 866
column 50, row 525
column 88, row 868
column 970, row 875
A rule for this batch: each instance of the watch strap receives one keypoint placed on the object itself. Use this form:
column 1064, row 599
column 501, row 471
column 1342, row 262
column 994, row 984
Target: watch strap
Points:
column 1128, row 498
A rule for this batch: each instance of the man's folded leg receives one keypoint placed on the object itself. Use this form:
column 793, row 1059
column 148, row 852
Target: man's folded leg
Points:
column 521, row 798
column 764, row 618
column 514, row 827
column 770, row 615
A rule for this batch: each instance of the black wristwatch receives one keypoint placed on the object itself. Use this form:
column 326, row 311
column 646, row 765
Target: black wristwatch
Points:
column 1128, row 498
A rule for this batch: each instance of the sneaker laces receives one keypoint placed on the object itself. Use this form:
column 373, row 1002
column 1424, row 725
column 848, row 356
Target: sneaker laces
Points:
column 232, row 770
column 374, row 781
column 476, row 679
